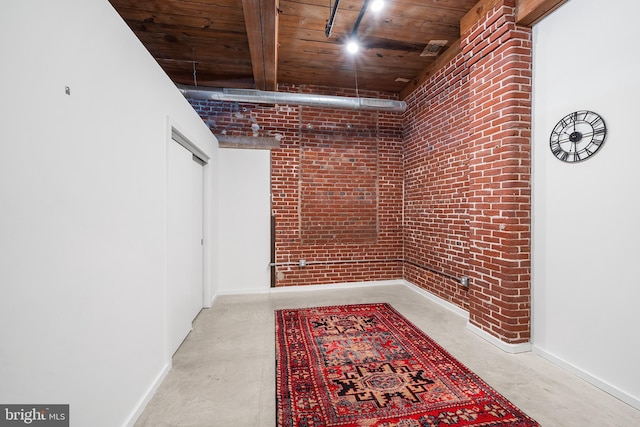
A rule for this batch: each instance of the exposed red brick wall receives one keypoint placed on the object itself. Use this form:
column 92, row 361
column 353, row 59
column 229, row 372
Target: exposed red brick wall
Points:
column 336, row 185
column 467, row 177
column 436, row 180
column 498, row 54
column 339, row 182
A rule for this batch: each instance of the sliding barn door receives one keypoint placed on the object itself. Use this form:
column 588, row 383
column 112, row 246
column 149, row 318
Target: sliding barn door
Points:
column 184, row 228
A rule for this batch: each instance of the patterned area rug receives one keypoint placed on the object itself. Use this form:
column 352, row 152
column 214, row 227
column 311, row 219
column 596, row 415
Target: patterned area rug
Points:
column 366, row 365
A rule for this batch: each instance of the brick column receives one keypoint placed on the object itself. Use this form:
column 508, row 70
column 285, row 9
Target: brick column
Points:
column 498, row 56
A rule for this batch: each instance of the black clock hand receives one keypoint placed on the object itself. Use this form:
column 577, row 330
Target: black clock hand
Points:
column 563, row 140
column 584, row 135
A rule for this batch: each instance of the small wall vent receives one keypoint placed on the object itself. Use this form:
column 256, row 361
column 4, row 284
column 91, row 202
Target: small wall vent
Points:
column 434, row 47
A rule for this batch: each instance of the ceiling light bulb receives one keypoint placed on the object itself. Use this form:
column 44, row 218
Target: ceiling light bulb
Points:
column 377, row 5
column 352, row 46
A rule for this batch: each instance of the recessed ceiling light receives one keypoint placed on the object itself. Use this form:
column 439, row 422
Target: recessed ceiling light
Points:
column 377, row 5
column 353, row 46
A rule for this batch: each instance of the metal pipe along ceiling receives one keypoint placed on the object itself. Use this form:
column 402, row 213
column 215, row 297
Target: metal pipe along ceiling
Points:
column 286, row 98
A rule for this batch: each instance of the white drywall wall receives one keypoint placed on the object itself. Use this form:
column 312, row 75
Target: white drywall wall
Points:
column 585, row 221
column 83, row 209
column 245, row 220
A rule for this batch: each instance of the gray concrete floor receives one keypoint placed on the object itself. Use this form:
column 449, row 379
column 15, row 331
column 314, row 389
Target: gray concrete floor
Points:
column 224, row 372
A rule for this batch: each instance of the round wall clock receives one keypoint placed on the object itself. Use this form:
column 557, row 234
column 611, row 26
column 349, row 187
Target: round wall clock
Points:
column 578, row 136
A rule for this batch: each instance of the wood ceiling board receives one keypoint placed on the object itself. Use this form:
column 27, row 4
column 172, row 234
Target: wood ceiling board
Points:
column 459, row 5
column 428, row 11
column 295, row 15
column 528, row 12
column 341, row 81
column 185, row 76
column 178, row 46
column 407, row 28
column 214, row 34
column 393, row 64
column 235, row 81
column 209, row 71
column 212, row 68
column 346, row 77
column 179, row 7
column 182, row 32
column 220, row 23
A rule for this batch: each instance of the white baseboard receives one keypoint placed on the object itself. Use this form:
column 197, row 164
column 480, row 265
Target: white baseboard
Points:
column 349, row 285
column 506, row 347
column 307, row 288
column 247, row 291
column 436, row 299
column 146, row 397
column 597, row 382
column 343, row 285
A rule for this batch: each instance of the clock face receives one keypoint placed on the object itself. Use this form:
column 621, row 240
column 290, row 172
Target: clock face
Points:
column 578, row 136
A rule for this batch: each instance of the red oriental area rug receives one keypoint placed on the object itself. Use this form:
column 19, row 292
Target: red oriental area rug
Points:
column 366, row 365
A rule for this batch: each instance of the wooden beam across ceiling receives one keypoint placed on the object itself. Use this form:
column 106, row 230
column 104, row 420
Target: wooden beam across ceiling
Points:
column 261, row 20
column 529, row 12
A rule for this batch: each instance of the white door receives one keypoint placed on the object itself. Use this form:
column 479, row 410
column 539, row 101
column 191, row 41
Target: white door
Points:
column 184, row 251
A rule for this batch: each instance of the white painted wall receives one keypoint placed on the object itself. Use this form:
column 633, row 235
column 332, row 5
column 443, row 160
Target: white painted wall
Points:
column 83, row 209
column 585, row 221
column 245, row 220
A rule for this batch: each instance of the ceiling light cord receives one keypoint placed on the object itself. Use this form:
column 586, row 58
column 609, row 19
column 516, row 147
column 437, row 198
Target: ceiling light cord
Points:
column 195, row 78
column 355, row 71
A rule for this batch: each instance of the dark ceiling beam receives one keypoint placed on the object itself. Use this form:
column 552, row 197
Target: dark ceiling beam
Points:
column 261, row 20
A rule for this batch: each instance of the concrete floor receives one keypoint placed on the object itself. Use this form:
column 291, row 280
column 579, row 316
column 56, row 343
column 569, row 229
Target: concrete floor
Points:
column 224, row 372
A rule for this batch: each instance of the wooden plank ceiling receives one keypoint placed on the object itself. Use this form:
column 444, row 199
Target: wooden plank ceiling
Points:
column 258, row 44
